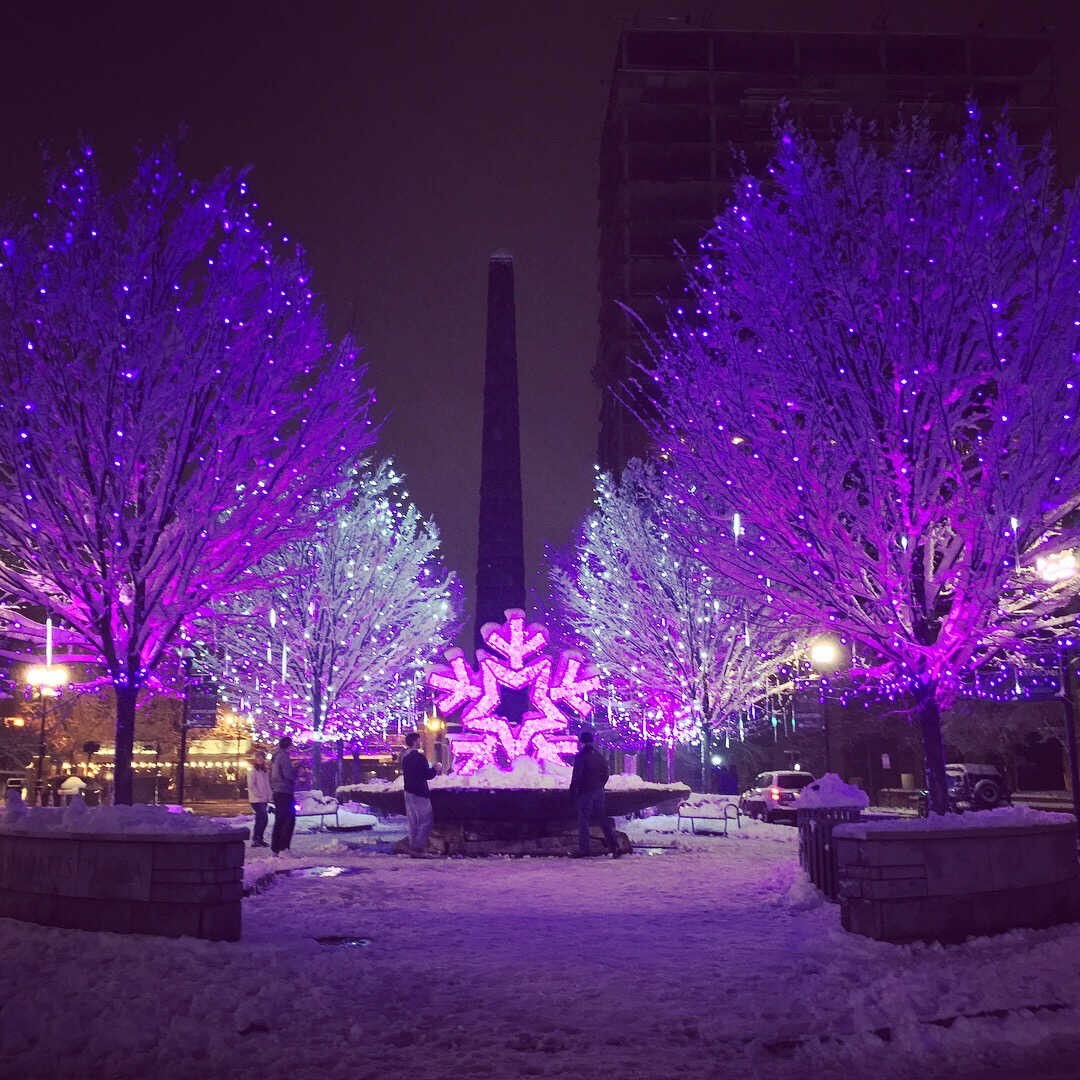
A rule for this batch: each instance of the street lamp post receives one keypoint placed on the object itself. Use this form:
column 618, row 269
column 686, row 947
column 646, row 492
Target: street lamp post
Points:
column 46, row 679
column 1069, row 709
column 434, row 732
column 824, row 658
column 1061, row 566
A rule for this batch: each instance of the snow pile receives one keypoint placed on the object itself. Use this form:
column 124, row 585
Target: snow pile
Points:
column 831, row 791
column 107, row 820
column 526, row 773
column 632, row 782
column 789, row 888
column 314, row 802
column 696, row 800
column 1003, row 816
column 354, row 792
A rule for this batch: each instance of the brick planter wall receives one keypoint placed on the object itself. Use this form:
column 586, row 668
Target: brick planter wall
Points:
column 129, row 883
column 948, row 884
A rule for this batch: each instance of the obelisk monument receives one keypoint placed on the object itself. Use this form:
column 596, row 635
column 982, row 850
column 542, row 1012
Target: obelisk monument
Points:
column 500, row 561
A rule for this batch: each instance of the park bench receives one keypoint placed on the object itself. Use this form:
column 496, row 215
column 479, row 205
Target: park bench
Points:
column 708, row 808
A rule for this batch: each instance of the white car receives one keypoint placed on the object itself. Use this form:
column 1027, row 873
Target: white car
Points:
column 772, row 794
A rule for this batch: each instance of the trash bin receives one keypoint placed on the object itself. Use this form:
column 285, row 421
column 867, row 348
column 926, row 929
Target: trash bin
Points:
column 816, row 855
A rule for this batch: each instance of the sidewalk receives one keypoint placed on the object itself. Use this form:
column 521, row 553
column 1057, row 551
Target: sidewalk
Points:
column 1060, row 801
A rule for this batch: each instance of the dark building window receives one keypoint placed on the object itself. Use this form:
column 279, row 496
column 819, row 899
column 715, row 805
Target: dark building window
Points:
column 661, row 237
column 669, row 162
column 994, row 94
column 925, row 56
column 673, row 125
column 693, row 203
column 1003, row 56
column 676, row 90
column 653, row 276
column 769, row 54
column 674, row 51
column 844, row 54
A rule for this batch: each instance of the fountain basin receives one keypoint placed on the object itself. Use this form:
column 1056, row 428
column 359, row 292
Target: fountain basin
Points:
column 475, row 820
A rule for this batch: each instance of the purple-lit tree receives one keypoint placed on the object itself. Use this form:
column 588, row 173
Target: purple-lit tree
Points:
column 669, row 636
column 340, row 621
column 877, row 369
column 171, row 400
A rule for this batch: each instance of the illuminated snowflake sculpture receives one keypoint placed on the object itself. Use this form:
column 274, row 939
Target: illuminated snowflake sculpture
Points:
column 487, row 738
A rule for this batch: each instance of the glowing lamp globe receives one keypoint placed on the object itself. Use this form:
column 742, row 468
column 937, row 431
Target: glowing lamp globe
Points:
column 824, row 654
column 1061, row 566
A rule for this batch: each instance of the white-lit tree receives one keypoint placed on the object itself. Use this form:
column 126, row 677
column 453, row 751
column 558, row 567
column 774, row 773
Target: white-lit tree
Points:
column 340, row 622
column 171, row 400
column 671, row 636
column 877, row 368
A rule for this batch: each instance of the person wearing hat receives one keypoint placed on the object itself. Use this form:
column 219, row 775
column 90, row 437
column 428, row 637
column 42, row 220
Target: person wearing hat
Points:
column 587, row 783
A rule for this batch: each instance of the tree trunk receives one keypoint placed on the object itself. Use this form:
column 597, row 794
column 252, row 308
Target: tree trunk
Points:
column 123, row 790
column 316, row 742
column 929, row 717
column 706, row 756
column 670, row 764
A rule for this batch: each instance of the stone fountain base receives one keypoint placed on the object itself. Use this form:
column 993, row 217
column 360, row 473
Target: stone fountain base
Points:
column 510, row 821
column 460, row 839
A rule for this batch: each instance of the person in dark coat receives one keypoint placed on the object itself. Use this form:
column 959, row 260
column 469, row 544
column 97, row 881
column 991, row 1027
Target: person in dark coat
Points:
column 587, row 783
column 283, row 787
column 416, row 773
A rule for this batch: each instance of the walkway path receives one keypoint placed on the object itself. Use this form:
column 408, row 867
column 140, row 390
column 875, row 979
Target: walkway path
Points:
column 716, row 960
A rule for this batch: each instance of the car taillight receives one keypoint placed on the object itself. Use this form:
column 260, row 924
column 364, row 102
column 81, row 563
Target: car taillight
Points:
column 774, row 794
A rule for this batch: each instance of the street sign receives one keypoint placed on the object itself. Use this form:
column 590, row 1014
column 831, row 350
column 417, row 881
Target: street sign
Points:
column 202, row 697
column 809, row 710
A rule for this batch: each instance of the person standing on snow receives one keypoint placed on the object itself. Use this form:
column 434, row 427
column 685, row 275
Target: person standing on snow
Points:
column 587, row 784
column 259, row 795
column 283, row 786
column 416, row 773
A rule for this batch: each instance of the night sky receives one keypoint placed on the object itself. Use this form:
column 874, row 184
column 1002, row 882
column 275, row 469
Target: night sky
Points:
column 401, row 143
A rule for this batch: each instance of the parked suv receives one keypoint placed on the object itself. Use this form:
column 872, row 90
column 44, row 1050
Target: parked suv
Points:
column 772, row 794
column 976, row 787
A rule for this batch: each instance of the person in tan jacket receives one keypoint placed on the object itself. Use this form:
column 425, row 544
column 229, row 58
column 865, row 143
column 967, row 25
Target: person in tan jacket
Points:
column 259, row 795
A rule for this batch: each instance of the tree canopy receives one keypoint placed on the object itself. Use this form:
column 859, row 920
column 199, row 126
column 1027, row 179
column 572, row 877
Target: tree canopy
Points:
column 877, row 368
column 171, row 400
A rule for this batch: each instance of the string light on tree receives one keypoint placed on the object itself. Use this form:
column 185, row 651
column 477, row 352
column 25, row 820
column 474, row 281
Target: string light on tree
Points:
column 685, row 654
column 171, row 401
column 877, row 367
column 334, row 627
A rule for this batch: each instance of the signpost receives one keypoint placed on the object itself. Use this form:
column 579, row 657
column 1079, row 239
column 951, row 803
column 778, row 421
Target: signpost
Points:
column 200, row 711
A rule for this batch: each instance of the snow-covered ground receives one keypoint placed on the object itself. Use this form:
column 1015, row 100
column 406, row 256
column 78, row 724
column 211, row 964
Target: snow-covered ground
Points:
column 695, row 957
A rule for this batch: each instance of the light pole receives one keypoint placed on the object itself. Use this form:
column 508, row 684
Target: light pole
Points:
column 46, row 679
column 1061, row 566
column 434, row 732
column 825, row 658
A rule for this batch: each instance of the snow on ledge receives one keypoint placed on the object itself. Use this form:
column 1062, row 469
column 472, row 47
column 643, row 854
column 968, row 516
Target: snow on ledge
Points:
column 831, row 791
column 1001, row 818
column 78, row 818
column 526, row 774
